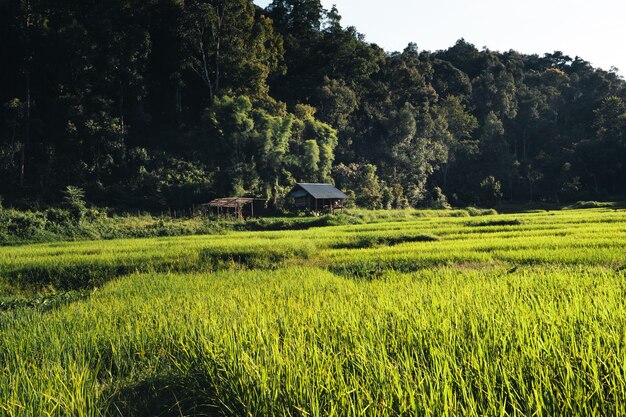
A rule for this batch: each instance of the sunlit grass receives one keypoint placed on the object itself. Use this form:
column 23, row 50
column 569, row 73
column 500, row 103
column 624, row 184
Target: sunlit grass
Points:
column 518, row 314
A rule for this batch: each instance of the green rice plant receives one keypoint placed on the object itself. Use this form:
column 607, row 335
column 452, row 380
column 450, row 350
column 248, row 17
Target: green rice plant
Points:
column 301, row 341
column 400, row 314
column 74, row 266
column 405, row 243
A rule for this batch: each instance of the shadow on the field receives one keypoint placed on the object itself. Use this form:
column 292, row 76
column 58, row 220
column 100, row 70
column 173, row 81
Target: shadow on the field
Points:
column 164, row 397
column 365, row 242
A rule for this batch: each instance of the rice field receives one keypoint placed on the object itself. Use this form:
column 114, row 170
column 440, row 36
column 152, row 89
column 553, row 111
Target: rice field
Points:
column 405, row 313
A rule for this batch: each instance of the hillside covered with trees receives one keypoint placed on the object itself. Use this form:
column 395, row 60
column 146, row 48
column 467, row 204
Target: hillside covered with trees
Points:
column 166, row 103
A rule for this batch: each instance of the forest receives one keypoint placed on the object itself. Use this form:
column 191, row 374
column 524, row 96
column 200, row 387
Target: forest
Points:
column 158, row 104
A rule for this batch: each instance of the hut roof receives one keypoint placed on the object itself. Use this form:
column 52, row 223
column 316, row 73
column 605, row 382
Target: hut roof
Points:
column 232, row 202
column 319, row 191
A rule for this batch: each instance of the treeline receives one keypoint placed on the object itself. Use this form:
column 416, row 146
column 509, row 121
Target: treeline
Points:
column 167, row 103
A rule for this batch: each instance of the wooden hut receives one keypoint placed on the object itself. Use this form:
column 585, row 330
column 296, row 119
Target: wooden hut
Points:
column 317, row 197
column 237, row 207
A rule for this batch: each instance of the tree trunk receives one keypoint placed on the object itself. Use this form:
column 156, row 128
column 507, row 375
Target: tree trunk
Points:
column 26, row 143
column 179, row 105
column 217, row 57
column 205, row 70
column 13, row 140
column 122, row 128
column 218, row 38
column 524, row 143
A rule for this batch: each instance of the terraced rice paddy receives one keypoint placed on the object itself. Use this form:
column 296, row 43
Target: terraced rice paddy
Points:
column 407, row 313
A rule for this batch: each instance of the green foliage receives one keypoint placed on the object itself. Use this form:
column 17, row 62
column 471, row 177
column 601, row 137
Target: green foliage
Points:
column 364, row 183
column 438, row 200
column 337, row 103
column 368, row 188
column 189, row 100
column 59, row 217
column 387, row 198
column 473, row 211
column 311, row 159
column 490, row 191
column 53, row 224
column 74, row 199
column 319, row 141
column 23, row 225
column 230, row 48
column 591, row 204
column 399, row 200
column 350, row 201
column 261, row 153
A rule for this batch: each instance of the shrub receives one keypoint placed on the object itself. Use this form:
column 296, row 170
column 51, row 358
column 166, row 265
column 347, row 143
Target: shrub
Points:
column 399, row 199
column 374, row 241
column 58, row 216
column 512, row 222
column 490, row 190
column 96, row 214
column 590, row 204
column 437, row 199
column 74, row 199
column 24, row 225
column 387, row 197
column 349, row 202
column 473, row 211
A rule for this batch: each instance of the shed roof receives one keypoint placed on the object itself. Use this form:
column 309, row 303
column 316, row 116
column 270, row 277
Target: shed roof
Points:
column 320, row 191
column 232, row 202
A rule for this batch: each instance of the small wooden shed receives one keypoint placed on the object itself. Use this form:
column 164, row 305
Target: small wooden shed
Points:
column 318, row 197
column 238, row 207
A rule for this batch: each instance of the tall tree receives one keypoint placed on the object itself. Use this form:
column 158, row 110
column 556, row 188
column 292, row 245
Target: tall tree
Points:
column 230, row 48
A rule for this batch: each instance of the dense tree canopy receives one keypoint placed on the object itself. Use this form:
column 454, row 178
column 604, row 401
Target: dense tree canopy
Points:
column 165, row 103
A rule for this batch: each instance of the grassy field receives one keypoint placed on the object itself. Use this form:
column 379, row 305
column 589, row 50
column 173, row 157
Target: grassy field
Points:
column 429, row 313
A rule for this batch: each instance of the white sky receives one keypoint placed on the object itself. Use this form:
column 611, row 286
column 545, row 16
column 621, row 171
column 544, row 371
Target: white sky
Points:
column 595, row 30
